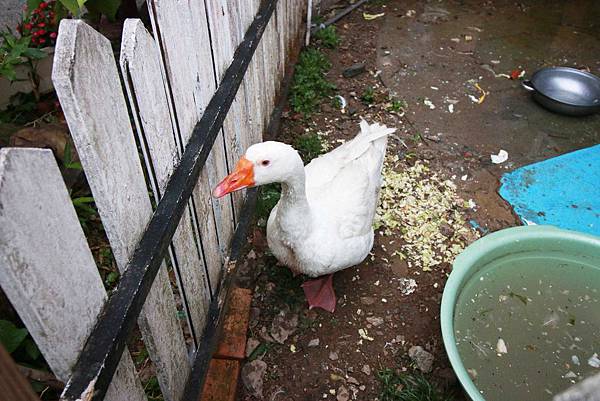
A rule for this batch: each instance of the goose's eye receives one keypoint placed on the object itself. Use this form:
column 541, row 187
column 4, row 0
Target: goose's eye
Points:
column 265, row 163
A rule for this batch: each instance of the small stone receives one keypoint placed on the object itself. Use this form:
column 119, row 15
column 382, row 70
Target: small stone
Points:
column 352, row 380
column 594, row 361
column 422, row 358
column 375, row 321
column 333, row 356
column 284, row 324
column 252, row 377
column 342, row 394
column 354, row 70
column 501, row 347
column 314, row 342
column 251, row 345
column 335, row 378
column 366, row 369
column 367, row 300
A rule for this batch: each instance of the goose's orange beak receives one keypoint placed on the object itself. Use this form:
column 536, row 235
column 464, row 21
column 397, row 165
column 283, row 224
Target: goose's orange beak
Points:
column 242, row 177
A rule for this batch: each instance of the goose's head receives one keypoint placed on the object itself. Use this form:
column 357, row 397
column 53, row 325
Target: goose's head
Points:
column 263, row 163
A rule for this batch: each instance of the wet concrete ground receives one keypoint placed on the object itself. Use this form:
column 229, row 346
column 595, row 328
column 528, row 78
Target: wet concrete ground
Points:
column 445, row 44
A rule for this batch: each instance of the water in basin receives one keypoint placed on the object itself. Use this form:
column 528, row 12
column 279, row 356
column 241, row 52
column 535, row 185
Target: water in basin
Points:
column 528, row 327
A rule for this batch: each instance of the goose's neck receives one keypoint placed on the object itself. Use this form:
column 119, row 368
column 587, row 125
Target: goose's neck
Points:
column 294, row 210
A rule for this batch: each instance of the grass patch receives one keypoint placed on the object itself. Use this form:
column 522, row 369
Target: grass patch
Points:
column 309, row 146
column 368, row 96
column 309, row 86
column 327, row 37
column 397, row 105
column 396, row 386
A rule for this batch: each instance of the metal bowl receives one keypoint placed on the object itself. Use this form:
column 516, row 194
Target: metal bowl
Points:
column 565, row 90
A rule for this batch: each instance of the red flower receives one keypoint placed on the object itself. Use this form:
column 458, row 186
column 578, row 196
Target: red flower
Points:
column 42, row 40
column 53, row 35
column 28, row 26
column 43, row 5
column 41, row 24
column 41, row 32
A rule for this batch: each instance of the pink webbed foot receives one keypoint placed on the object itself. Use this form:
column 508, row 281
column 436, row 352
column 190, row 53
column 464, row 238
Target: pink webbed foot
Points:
column 319, row 293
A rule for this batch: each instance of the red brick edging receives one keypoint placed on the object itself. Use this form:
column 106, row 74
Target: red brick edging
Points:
column 224, row 369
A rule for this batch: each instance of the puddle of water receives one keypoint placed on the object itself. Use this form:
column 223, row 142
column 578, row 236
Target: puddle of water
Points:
column 532, row 331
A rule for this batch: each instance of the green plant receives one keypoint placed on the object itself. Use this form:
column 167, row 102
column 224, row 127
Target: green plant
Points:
column 85, row 209
column 111, row 280
column 368, row 96
column 17, row 341
column 261, row 350
column 68, row 161
column 416, row 137
column 15, row 52
column 309, row 85
column 152, row 389
column 327, row 37
column 397, row 105
column 397, row 386
column 336, row 102
column 309, row 146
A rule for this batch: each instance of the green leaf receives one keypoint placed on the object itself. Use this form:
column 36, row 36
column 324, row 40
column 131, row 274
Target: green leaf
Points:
column 67, row 154
column 10, row 39
column 74, row 6
column 37, row 386
column 32, row 349
column 106, row 7
column 68, row 159
column 8, row 72
column 83, row 200
column 75, row 166
column 11, row 336
column 33, row 4
column 111, row 278
column 34, row 53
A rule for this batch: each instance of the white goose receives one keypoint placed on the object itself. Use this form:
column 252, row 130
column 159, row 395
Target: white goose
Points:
column 323, row 221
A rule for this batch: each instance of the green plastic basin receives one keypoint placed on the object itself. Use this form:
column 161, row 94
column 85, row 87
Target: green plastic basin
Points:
column 488, row 250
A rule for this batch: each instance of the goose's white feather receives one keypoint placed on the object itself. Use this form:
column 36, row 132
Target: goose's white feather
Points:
column 323, row 221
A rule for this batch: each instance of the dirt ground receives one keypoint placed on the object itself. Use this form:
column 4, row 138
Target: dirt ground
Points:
column 430, row 55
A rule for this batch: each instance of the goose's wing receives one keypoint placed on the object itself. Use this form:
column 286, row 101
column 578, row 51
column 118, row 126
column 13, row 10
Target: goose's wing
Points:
column 344, row 183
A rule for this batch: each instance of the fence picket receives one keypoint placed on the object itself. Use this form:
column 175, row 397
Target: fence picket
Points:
column 46, row 267
column 184, row 42
column 88, row 86
column 222, row 44
column 141, row 72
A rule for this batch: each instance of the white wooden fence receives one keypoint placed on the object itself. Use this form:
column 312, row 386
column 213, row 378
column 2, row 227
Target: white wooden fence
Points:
column 169, row 76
